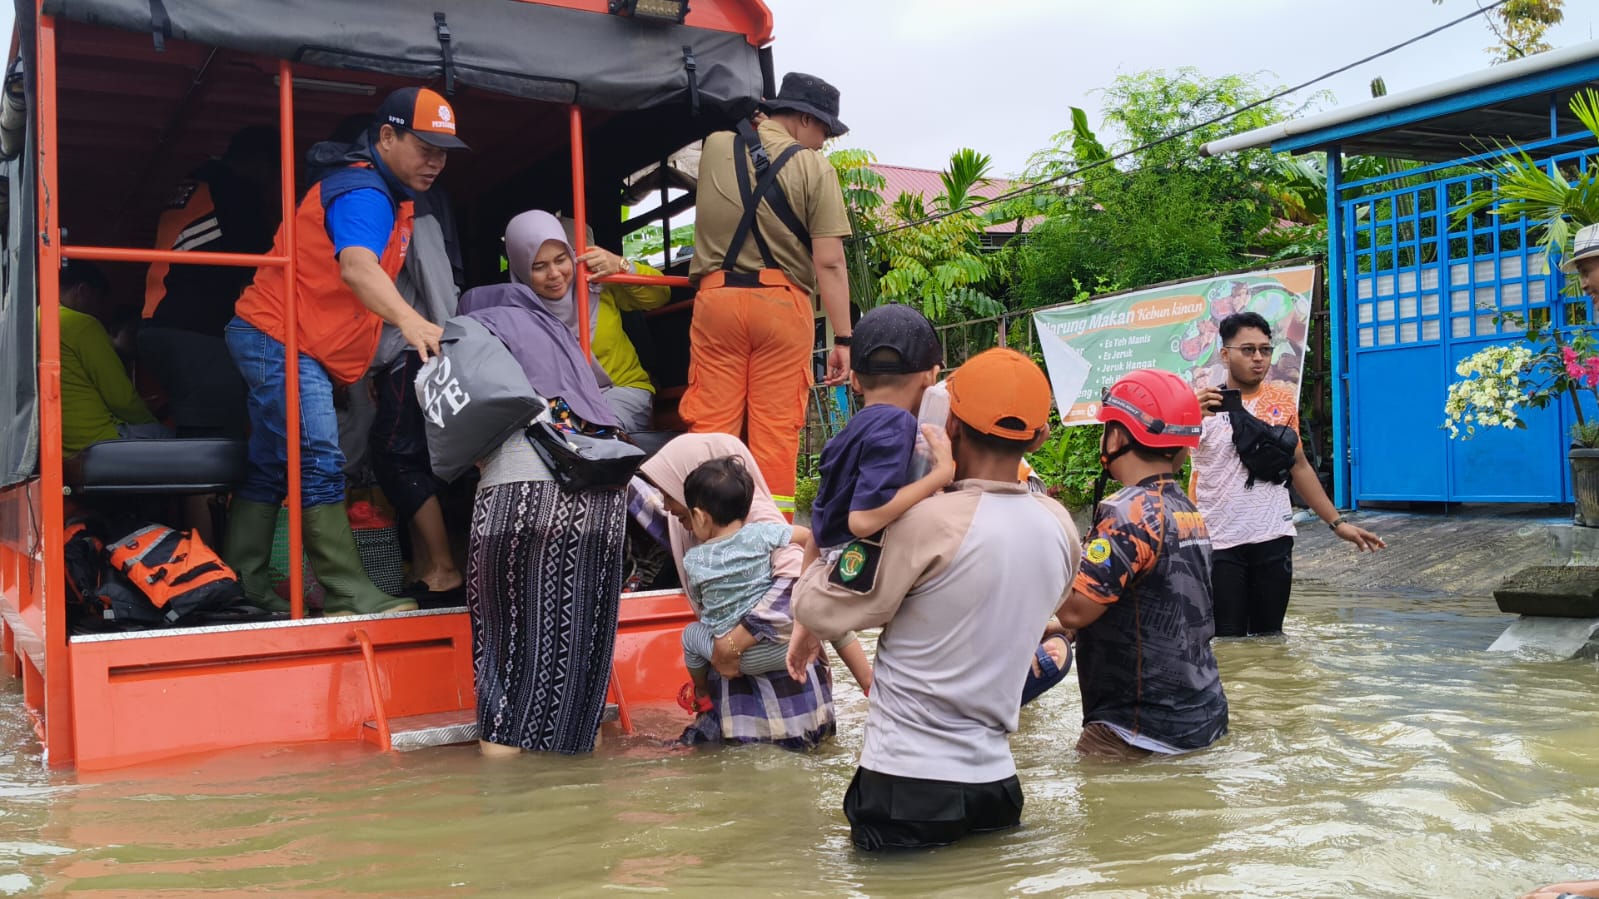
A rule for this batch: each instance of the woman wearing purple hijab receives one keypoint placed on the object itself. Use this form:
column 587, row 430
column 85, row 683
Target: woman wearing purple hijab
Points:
column 544, row 566
column 538, row 248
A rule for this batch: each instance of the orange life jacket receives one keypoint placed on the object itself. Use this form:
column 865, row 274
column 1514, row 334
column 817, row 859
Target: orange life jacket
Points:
column 190, row 223
column 335, row 329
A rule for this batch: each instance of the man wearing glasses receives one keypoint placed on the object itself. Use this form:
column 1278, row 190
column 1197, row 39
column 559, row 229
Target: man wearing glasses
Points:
column 1252, row 524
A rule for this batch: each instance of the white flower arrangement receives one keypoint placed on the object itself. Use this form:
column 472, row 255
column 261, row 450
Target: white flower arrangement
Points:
column 1498, row 382
column 1494, row 390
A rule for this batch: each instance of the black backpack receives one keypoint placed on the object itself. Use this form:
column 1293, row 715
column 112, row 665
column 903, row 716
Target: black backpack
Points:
column 1267, row 451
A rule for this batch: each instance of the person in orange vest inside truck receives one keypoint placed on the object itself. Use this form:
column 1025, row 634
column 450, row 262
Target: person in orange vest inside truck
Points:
column 353, row 231
column 226, row 205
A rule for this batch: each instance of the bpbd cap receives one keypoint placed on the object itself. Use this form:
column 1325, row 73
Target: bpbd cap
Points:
column 899, row 328
column 424, row 113
column 1001, row 393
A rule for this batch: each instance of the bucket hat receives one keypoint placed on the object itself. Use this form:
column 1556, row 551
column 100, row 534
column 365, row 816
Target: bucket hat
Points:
column 808, row 93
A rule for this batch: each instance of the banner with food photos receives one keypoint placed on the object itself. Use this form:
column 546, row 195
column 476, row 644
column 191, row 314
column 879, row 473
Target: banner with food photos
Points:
column 1173, row 327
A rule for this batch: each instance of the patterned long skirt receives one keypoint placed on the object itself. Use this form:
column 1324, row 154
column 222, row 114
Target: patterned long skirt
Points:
column 543, row 585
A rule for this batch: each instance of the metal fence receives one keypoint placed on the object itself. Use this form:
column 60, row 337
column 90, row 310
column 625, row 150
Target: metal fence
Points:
column 831, row 407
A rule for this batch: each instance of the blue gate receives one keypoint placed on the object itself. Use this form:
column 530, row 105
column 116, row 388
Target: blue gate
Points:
column 1421, row 291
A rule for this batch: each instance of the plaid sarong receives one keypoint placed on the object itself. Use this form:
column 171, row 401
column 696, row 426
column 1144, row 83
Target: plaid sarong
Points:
column 756, row 708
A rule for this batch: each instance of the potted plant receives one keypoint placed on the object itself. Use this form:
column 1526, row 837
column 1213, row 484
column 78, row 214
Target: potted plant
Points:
column 1499, row 381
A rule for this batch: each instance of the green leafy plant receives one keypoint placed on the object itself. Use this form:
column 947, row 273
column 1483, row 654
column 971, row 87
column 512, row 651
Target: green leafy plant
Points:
column 646, row 243
column 1525, row 188
column 1068, row 462
column 805, row 494
column 863, row 199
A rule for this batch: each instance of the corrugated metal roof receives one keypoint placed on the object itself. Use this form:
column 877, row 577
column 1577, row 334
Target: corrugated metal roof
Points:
column 928, row 184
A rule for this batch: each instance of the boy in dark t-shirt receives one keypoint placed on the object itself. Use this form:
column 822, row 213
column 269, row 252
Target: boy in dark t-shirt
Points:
column 865, row 468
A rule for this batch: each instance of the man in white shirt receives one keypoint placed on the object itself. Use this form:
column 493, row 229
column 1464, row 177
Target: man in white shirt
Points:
column 1251, row 521
column 962, row 584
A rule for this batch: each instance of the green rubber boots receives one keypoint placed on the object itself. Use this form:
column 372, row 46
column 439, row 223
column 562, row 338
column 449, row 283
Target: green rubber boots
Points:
column 329, row 543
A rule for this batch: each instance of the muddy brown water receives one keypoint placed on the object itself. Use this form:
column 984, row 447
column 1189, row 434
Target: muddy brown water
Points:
column 1378, row 750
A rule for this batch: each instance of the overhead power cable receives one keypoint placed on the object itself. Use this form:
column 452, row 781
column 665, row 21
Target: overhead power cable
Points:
column 1116, row 157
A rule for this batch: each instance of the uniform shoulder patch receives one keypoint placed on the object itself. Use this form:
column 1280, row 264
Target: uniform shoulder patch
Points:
column 1097, row 551
column 851, row 562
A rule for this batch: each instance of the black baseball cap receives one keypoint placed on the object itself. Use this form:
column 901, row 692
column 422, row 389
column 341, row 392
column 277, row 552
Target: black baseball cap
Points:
column 899, row 328
column 424, row 113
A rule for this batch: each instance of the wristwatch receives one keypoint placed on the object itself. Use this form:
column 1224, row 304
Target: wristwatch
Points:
column 842, row 339
column 1340, row 520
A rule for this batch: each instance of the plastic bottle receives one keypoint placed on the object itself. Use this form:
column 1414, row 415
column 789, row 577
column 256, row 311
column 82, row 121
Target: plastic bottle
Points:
column 934, row 411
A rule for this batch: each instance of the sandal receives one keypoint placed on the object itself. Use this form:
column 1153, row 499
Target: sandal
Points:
column 694, row 705
column 1049, row 674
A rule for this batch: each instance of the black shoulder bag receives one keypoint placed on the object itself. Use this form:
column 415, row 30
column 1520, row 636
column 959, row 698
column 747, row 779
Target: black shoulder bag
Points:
column 584, row 459
column 1267, row 451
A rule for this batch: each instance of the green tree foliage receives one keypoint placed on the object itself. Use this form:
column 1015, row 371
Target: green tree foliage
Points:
column 1520, row 26
column 1164, row 211
column 863, row 198
column 646, row 243
column 938, row 266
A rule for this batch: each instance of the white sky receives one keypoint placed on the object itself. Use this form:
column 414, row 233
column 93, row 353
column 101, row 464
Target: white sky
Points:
column 922, row 78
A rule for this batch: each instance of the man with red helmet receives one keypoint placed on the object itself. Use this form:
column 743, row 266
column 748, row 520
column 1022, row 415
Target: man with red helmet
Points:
column 1141, row 599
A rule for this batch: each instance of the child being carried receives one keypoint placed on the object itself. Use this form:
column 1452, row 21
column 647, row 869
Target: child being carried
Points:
column 730, row 571
column 868, row 473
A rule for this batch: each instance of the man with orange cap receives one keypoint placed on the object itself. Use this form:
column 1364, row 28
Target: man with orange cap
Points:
column 1141, row 602
column 962, row 585
column 352, row 232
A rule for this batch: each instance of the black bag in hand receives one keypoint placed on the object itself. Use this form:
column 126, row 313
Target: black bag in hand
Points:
column 583, row 462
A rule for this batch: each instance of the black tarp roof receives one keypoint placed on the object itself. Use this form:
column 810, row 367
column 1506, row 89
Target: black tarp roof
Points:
column 522, row 49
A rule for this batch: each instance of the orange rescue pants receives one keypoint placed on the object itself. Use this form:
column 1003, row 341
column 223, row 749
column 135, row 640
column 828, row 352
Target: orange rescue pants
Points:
column 749, row 372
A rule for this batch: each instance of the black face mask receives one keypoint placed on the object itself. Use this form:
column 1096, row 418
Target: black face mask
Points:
column 1105, row 458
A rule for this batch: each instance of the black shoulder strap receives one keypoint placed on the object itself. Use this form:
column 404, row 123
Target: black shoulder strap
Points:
column 751, row 200
column 767, row 188
column 778, row 200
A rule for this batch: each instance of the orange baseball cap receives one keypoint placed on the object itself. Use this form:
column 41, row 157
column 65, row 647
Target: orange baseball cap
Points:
column 424, row 113
column 1001, row 393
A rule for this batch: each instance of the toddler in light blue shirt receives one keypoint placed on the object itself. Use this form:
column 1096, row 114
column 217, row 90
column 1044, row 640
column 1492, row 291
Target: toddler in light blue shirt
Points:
column 730, row 571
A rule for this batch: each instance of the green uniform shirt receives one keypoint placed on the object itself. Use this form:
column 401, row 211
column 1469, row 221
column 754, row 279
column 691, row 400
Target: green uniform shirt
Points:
column 96, row 394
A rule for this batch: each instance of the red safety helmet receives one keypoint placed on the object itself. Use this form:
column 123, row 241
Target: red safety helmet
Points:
column 1157, row 407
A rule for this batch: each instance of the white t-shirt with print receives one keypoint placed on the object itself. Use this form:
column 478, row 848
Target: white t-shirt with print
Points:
column 1237, row 515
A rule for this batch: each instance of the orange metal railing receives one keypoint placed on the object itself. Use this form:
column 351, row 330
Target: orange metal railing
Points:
column 55, row 708
column 51, row 446
column 580, row 235
column 56, row 705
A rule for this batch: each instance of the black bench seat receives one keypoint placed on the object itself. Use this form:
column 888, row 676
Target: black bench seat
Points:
column 172, row 466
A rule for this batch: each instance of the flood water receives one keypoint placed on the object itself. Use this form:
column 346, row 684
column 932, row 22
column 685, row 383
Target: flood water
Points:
column 1376, row 751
